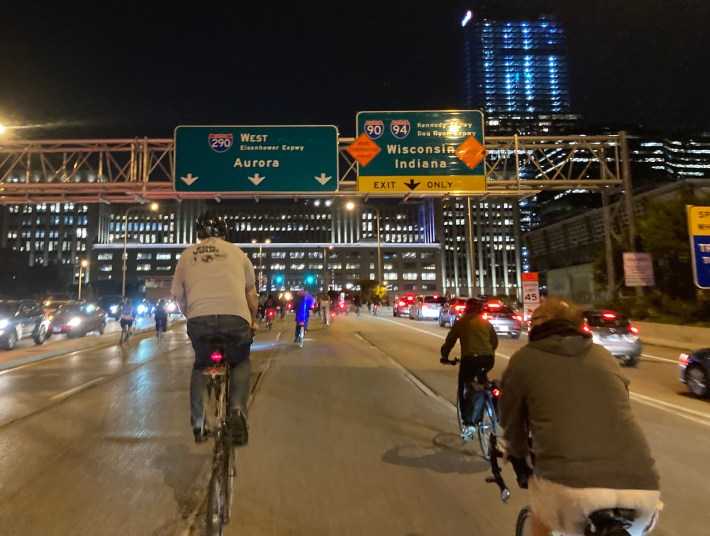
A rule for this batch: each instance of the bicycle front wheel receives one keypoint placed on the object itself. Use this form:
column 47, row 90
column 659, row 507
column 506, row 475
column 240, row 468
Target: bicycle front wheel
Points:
column 523, row 526
column 217, row 501
column 487, row 426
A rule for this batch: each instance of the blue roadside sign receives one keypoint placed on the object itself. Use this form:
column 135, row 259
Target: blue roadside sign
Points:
column 699, row 231
column 256, row 158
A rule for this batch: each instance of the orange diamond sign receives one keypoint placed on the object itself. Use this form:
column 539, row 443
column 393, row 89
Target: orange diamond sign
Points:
column 471, row 152
column 363, row 149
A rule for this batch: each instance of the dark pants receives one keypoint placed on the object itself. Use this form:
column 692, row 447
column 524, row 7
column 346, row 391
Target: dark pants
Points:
column 472, row 375
column 239, row 334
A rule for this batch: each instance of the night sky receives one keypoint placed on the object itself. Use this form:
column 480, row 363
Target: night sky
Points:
column 127, row 69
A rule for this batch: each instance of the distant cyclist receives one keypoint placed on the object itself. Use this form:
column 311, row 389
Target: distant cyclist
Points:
column 215, row 287
column 128, row 314
column 302, row 308
column 161, row 317
column 478, row 345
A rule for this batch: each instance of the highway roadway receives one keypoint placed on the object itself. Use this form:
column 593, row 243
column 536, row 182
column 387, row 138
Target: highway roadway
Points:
column 353, row 434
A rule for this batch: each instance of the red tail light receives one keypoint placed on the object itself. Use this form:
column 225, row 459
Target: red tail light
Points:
column 634, row 330
column 216, row 356
column 494, row 305
column 401, row 303
column 332, row 314
column 271, row 312
column 683, row 359
column 485, row 316
column 608, row 316
column 586, row 328
column 459, row 308
column 519, row 318
column 342, row 305
column 495, row 393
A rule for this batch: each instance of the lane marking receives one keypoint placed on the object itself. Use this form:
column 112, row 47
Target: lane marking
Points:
column 674, row 361
column 77, row 389
column 673, row 409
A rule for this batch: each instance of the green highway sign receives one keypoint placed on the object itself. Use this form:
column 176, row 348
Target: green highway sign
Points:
column 256, row 158
column 420, row 151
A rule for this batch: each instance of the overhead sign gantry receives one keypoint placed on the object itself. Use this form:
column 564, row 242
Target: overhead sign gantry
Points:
column 420, row 151
column 256, row 158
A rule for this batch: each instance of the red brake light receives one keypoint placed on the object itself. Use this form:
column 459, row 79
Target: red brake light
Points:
column 586, row 328
column 459, row 308
column 485, row 316
column 270, row 312
column 332, row 314
column 683, row 359
column 609, row 316
column 496, row 393
column 342, row 305
column 634, row 330
column 410, row 298
column 494, row 305
column 216, row 356
column 519, row 318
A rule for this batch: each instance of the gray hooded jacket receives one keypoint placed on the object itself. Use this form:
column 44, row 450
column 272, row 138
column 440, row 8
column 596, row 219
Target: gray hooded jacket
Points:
column 572, row 397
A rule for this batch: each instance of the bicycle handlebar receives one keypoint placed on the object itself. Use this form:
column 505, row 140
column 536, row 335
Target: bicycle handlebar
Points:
column 451, row 362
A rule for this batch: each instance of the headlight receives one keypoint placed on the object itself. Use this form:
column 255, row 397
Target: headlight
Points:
column 74, row 322
column 3, row 323
column 171, row 307
column 141, row 309
column 114, row 309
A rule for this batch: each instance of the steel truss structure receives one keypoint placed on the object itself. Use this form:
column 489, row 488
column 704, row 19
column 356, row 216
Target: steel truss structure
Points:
column 142, row 169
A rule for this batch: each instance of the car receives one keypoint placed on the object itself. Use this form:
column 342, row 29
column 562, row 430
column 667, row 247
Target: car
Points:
column 613, row 331
column 426, row 307
column 452, row 311
column 52, row 301
column 504, row 319
column 695, row 371
column 77, row 319
column 144, row 307
column 21, row 319
column 400, row 305
column 111, row 304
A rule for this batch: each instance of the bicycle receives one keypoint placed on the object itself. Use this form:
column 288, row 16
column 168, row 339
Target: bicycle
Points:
column 161, row 328
column 216, row 395
column 126, row 332
column 603, row 522
column 270, row 314
column 301, row 333
column 485, row 420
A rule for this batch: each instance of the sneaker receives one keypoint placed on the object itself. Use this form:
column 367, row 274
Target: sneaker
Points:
column 468, row 432
column 200, row 434
column 238, row 431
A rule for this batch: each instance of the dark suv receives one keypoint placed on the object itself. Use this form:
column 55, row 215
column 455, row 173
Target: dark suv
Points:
column 20, row 319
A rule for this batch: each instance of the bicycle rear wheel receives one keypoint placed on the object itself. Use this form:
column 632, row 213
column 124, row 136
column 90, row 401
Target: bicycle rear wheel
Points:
column 523, row 526
column 487, row 426
column 217, row 501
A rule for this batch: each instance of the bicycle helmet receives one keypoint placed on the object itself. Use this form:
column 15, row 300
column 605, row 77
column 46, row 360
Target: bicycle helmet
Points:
column 209, row 225
column 474, row 305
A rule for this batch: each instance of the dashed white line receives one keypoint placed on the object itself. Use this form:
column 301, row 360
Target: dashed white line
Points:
column 70, row 392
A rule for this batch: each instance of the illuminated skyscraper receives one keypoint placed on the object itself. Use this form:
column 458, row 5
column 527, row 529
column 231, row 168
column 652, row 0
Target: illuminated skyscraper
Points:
column 515, row 65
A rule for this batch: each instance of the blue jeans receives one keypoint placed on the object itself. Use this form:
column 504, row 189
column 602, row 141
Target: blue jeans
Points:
column 238, row 330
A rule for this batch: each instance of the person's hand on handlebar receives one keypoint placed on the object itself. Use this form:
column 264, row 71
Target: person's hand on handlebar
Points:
column 446, row 361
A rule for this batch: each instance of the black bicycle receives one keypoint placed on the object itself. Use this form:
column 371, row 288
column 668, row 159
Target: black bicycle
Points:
column 216, row 403
column 482, row 399
column 605, row 522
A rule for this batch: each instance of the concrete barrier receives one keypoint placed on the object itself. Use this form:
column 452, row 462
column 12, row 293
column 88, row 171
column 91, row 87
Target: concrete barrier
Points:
column 673, row 336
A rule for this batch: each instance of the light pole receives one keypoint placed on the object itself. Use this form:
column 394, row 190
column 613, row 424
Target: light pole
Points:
column 351, row 206
column 261, row 262
column 153, row 207
column 83, row 264
column 325, row 267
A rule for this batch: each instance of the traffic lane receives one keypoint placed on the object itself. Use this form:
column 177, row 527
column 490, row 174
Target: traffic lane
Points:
column 343, row 441
column 115, row 457
column 678, row 438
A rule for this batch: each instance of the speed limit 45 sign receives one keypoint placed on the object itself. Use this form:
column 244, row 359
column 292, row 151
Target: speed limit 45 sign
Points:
column 531, row 293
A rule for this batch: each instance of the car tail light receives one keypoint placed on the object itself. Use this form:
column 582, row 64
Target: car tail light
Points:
column 519, row 318
column 683, row 360
column 459, row 308
column 401, row 303
column 485, row 316
column 494, row 305
column 216, row 356
column 634, row 330
column 608, row 316
column 586, row 328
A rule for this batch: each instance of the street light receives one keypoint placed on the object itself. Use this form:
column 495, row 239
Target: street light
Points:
column 153, row 207
column 261, row 262
column 351, row 206
column 83, row 264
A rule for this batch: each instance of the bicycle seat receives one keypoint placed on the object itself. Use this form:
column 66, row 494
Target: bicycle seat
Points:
column 610, row 518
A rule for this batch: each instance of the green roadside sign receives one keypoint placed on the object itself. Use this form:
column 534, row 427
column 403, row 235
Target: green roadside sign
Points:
column 256, row 158
column 420, row 151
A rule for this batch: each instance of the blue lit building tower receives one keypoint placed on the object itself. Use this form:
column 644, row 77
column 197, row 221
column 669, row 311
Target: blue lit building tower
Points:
column 515, row 65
